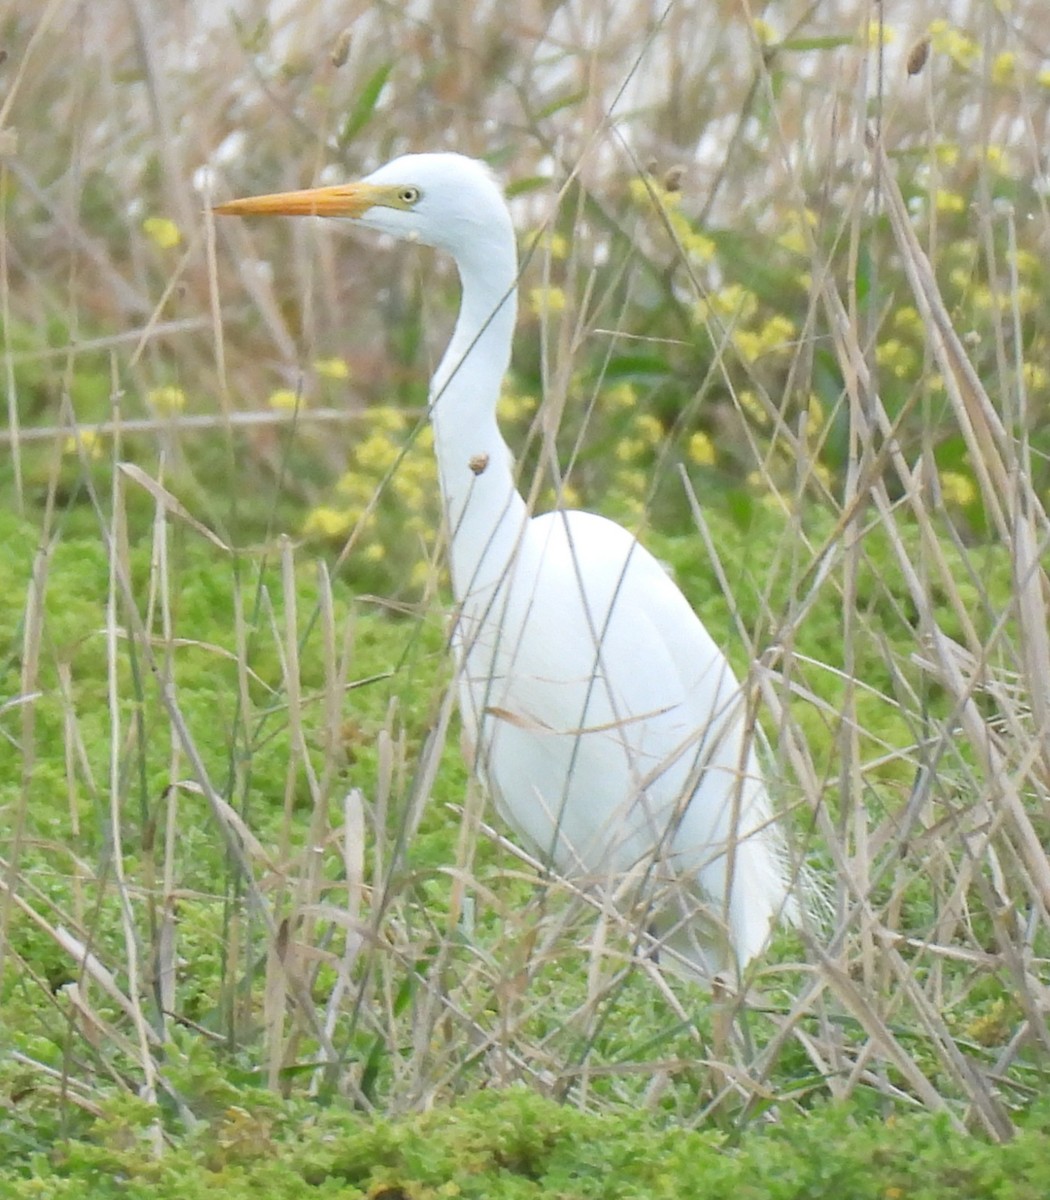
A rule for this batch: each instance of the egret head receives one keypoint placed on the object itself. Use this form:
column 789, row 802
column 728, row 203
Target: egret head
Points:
column 443, row 200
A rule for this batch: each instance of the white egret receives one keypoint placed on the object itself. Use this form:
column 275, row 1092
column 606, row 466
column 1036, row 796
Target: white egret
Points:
column 604, row 719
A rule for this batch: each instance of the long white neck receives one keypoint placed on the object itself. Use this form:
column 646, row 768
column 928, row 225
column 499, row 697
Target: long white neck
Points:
column 484, row 511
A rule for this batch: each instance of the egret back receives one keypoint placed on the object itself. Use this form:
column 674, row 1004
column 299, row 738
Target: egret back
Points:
column 612, row 731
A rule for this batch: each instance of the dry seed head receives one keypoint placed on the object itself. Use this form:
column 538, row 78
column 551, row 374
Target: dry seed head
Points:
column 478, row 463
column 341, row 49
column 674, row 178
column 918, row 55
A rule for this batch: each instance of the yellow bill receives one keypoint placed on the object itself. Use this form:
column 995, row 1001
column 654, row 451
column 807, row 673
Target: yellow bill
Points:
column 341, row 200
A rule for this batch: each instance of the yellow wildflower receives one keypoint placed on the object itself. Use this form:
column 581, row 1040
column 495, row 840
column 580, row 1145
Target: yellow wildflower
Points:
column 794, row 241
column 162, row 232
column 956, row 488
column 555, row 245
column 907, row 319
column 87, row 441
column 387, row 418
column 1028, row 299
column 1035, row 377
column 409, row 491
column 546, row 300
column 776, row 335
column 629, row 449
column 166, row 400
column 960, row 48
column 1004, row 68
column 995, row 157
column 632, row 483
column 570, row 497
column 324, row 521
column 751, row 406
column 701, row 449
column 644, row 192
column 880, row 32
column 822, row 472
column 1026, row 262
column 734, row 301
column 765, row 34
column 284, row 400
column 514, row 406
column 948, row 202
column 697, row 245
column 377, row 453
column 332, row 368
column 648, row 429
column 356, row 487
column 621, row 396
column 748, row 345
column 894, row 355
column 421, row 574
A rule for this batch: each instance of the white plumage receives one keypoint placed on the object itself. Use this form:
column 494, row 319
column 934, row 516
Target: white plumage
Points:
column 607, row 723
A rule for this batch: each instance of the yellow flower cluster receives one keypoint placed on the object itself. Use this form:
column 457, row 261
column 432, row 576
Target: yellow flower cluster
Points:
column 732, row 303
column 543, row 301
column 795, row 223
column 1036, row 377
column 957, row 489
column 642, row 437
column 948, row 202
column 88, row 441
column 880, row 34
column 391, row 454
column 546, row 241
column 284, row 400
column 326, row 522
column 515, row 407
column 1004, row 68
column 162, row 232
column 751, row 407
column 620, row 397
column 899, row 357
column 166, row 400
column 764, row 32
column 907, row 322
column 698, row 246
column 774, row 336
column 332, row 368
column 958, row 46
column 701, row 450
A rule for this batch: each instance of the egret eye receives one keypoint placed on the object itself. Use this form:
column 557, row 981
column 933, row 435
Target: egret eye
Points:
column 408, row 194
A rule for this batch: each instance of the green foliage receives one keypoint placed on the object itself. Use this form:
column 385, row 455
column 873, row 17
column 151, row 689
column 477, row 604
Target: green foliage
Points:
column 676, row 322
column 513, row 1145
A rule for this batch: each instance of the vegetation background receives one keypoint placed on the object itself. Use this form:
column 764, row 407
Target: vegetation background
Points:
column 785, row 312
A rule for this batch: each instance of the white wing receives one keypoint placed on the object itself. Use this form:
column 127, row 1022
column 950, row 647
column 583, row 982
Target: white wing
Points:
column 610, row 727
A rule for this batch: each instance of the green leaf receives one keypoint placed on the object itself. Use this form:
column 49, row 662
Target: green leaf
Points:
column 561, row 102
column 831, row 42
column 631, row 366
column 365, row 106
column 531, row 183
